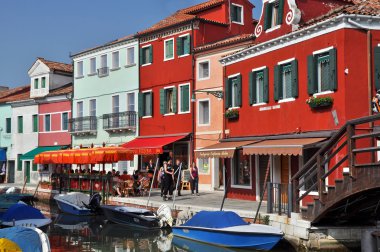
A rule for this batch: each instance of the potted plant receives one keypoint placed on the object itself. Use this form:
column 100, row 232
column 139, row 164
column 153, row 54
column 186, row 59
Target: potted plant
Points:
column 45, row 185
column 320, row 102
column 232, row 114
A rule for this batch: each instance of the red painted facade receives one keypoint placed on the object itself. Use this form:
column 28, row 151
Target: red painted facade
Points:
column 56, row 136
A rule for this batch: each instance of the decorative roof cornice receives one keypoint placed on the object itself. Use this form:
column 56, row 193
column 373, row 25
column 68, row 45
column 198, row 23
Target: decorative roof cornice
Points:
column 324, row 27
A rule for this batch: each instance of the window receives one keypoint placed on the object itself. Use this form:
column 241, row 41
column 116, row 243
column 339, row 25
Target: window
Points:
column 241, row 169
column 115, row 104
column 145, row 104
column 204, row 165
column 146, row 55
column 8, row 125
column 115, row 60
column 184, row 92
column 204, row 70
column 322, row 72
column 19, row 162
column 286, row 81
column 34, row 167
column 273, row 14
column 20, row 124
column 92, row 107
column 131, row 56
column 183, row 45
column 103, row 61
column 233, row 92
column 236, row 13
column 79, row 69
column 204, row 112
column 169, row 49
column 258, row 87
column 168, row 101
column 65, row 120
column 93, row 66
column 35, row 123
column 131, row 101
column 80, row 109
column 47, row 123
column 36, row 83
column 43, row 82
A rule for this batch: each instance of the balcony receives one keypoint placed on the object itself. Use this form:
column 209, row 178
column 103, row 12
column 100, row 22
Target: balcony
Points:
column 103, row 71
column 83, row 125
column 120, row 122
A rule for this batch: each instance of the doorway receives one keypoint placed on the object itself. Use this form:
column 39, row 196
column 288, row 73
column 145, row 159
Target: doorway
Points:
column 11, row 171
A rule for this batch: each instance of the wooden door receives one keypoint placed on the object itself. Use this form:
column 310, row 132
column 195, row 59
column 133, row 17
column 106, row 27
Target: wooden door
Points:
column 285, row 163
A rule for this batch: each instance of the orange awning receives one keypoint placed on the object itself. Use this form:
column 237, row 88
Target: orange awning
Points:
column 221, row 150
column 280, row 146
column 151, row 145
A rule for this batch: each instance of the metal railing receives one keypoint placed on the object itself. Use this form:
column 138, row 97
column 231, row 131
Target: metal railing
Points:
column 103, row 71
column 83, row 124
column 280, row 198
column 122, row 120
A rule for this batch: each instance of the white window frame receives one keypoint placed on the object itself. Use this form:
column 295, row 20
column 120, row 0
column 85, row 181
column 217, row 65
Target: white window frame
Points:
column 78, row 74
column 101, row 61
column 209, row 166
column 179, row 103
column 209, row 70
column 118, row 61
column 181, row 36
column 146, row 64
column 63, row 122
column 45, row 122
column 170, row 87
column 166, row 40
column 91, row 73
column 209, row 112
column 241, row 14
column 127, row 64
column 112, row 104
column 77, row 106
column 89, row 106
column 232, row 100
column 151, row 93
column 273, row 28
column 134, row 102
column 233, row 175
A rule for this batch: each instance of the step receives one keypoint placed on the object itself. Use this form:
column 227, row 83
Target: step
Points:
column 339, row 184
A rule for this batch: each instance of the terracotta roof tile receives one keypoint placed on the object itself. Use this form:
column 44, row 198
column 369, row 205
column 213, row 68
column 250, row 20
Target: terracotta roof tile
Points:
column 57, row 66
column 15, row 94
column 202, row 6
column 66, row 89
column 226, row 42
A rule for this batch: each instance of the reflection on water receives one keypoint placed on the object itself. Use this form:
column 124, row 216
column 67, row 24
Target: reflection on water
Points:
column 78, row 233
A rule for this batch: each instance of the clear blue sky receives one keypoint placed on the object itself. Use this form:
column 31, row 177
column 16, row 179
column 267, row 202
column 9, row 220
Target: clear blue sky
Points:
column 52, row 29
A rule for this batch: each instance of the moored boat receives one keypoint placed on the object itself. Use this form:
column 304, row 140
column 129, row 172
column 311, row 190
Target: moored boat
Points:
column 229, row 230
column 78, row 203
column 27, row 239
column 21, row 214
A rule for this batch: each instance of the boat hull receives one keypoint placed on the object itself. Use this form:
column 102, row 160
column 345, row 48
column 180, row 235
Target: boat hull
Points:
column 229, row 239
column 39, row 223
column 130, row 219
column 72, row 209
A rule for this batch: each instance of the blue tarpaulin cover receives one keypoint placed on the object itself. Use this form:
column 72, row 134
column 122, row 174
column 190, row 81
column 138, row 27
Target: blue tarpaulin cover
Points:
column 22, row 212
column 3, row 155
column 215, row 219
column 27, row 239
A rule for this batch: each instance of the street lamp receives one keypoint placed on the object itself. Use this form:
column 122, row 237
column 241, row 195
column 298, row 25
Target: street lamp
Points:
column 217, row 93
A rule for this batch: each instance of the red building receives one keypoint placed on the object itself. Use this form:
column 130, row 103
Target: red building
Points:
column 303, row 49
column 167, row 72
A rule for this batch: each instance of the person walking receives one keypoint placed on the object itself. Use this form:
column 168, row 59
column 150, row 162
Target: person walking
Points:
column 168, row 181
column 177, row 176
column 194, row 179
column 161, row 179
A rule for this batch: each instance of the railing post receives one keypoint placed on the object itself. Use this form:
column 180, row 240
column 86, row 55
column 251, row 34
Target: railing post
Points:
column 279, row 198
column 270, row 198
column 296, row 194
column 321, row 182
column 350, row 148
column 290, row 199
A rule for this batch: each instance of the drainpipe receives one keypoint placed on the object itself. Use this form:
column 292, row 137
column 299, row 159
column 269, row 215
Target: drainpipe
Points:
column 192, row 137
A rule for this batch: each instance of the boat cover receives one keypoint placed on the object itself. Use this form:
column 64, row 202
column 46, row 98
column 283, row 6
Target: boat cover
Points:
column 21, row 211
column 8, row 245
column 74, row 198
column 215, row 219
column 27, row 239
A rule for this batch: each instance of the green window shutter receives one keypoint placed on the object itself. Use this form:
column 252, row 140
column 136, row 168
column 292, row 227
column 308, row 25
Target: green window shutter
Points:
column 280, row 11
column 268, row 16
column 266, row 85
column 8, row 122
column 227, row 93
column 187, row 45
column 35, row 123
column 43, row 82
column 175, row 100
column 312, row 86
column 151, row 103
column 162, row 101
column 333, row 73
column 239, row 93
column 150, row 54
column 34, row 167
column 185, row 98
column 19, row 162
column 20, row 124
column 252, row 88
column 294, row 65
column 141, row 56
column 179, row 46
column 140, row 105
column 277, row 83
column 377, row 68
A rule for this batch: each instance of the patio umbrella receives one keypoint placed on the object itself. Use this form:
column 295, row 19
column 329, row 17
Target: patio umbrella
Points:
column 107, row 155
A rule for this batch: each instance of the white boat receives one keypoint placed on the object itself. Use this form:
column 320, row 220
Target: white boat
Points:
column 28, row 239
column 21, row 214
column 78, row 203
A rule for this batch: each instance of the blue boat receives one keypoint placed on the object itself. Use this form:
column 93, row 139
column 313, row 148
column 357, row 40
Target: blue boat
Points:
column 21, row 214
column 77, row 203
column 8, row 200
column 229, row 230
column 27, row 239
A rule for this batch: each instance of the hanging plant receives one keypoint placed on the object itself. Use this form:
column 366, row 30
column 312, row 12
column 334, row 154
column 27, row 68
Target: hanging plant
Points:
column 320, row 102
column 232, row 114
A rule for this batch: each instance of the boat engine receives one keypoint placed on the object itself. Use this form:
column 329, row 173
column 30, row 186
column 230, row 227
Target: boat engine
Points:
column 94, row 203
column 164, row 214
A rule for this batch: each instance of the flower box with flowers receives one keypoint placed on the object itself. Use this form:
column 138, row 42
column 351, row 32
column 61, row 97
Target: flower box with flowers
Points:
column 320, row 102
column 232, row 114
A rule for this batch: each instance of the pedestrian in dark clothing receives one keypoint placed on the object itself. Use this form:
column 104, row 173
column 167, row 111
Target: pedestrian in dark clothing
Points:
column 194, row 179
column 161, row 180
column 177, row 176
column 168, row 181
